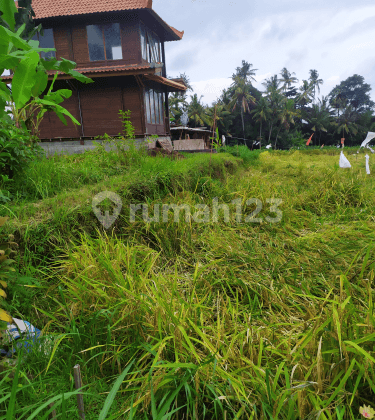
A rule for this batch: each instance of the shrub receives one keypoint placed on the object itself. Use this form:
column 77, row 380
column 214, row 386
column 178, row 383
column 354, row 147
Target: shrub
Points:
column 5, row 269
column 15, row 148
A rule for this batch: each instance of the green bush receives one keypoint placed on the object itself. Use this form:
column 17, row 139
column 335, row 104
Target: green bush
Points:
column 15, row 148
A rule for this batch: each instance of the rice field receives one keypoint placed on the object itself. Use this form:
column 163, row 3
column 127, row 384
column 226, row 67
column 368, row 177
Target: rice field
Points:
column 227, row 319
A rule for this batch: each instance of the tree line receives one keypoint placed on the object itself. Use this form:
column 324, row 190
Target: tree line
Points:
column 285, row 112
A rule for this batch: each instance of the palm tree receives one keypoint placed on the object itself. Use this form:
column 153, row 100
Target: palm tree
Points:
column 275, row 104
column 286, row 116
column 220, row 118
column 242, row 97
column 196, row 110
column 338, row 102
column 346, row 122
column 320, row 117
column 261, row 114
column 245, row 72
column 273, row 83
column 177, row 105
column 315, row 81
column 305, row 96
column 288, row 78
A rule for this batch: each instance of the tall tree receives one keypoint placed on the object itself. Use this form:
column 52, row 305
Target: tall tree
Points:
column 275, row 104
column 320, row 117
column 305, row 96
column 287, row 116
column 220, row 117
column 261, row 114
column 242, row 97
column 355, row 92
column 178, row 100
column 315, row 81
column 245, row 72
column 196, row 110
column 272, row 83
column 346, row 123
column 288, row 79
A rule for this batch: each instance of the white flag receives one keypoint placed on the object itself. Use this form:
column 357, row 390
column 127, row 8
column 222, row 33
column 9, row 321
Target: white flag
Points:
column 367, row 140
column 344, row 163
column 367, row 165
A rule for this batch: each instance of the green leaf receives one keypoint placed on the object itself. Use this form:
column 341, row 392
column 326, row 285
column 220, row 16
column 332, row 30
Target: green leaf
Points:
column 66, row 65
column 51, row 64
column 58, row 109
column 5, row 92
column 41, row 81
column 24, row 79
column 4, row 42
column 80, row 77
column 111, row 396
column 8, row 9
column 8, row 62
column 17, row 41
column 58, row 96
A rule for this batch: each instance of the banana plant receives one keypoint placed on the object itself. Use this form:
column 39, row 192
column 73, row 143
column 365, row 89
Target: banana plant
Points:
column 31, row 94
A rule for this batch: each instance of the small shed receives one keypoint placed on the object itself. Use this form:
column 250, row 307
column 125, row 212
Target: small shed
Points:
column 191, row 139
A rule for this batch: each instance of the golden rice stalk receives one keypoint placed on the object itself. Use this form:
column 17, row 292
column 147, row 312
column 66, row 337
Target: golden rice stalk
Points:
column 319, row 366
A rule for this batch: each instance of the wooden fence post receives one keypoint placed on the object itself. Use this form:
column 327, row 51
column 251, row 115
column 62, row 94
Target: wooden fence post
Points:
column 78, row 384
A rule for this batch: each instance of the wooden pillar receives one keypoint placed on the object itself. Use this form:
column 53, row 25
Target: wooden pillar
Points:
column 166, row 100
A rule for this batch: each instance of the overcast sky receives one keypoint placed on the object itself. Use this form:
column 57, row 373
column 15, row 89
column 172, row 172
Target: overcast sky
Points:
column 335, row 37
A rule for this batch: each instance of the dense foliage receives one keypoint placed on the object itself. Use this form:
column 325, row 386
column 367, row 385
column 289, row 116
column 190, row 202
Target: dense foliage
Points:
column 285, row 113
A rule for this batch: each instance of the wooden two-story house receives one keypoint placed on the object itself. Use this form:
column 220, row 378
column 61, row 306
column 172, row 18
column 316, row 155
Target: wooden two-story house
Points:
column 120, row 45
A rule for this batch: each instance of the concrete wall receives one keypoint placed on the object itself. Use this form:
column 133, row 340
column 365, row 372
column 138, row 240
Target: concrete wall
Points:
column 75, row 147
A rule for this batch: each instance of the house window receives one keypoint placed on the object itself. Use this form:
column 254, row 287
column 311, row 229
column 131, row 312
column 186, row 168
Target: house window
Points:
column 104, row 42
column 150, row 45
column 46, row 41
column 154, row 106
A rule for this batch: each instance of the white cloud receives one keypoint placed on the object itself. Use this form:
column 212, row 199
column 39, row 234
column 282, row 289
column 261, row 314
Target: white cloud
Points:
column 211, row 89
column 333, row 37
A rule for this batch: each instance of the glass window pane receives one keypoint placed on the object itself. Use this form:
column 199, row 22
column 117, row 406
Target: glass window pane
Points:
column 152, row 104
column 157, row 109
column 161, row 105
column 153, row 49
column 46, row 41
column 157, row 46
column 143, row 42
column 96, row 43
column 112, row 38
column 148, row 47
column 147, row 103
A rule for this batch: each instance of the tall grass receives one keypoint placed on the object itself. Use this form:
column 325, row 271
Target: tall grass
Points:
column 223, row 320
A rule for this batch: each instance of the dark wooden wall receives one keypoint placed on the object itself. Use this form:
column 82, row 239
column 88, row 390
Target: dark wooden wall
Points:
column 52, row 127
column 100, row 105
column 71, row 43
column 101, row 100
column 100, row 109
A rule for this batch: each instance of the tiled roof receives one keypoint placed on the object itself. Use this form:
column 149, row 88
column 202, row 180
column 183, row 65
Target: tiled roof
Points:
column 174, row 86
column 52, row 8
column 112, row 69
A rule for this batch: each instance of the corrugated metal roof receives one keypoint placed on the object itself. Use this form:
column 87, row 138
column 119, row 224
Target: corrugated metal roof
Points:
column 52, row 8
column 202, row 129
